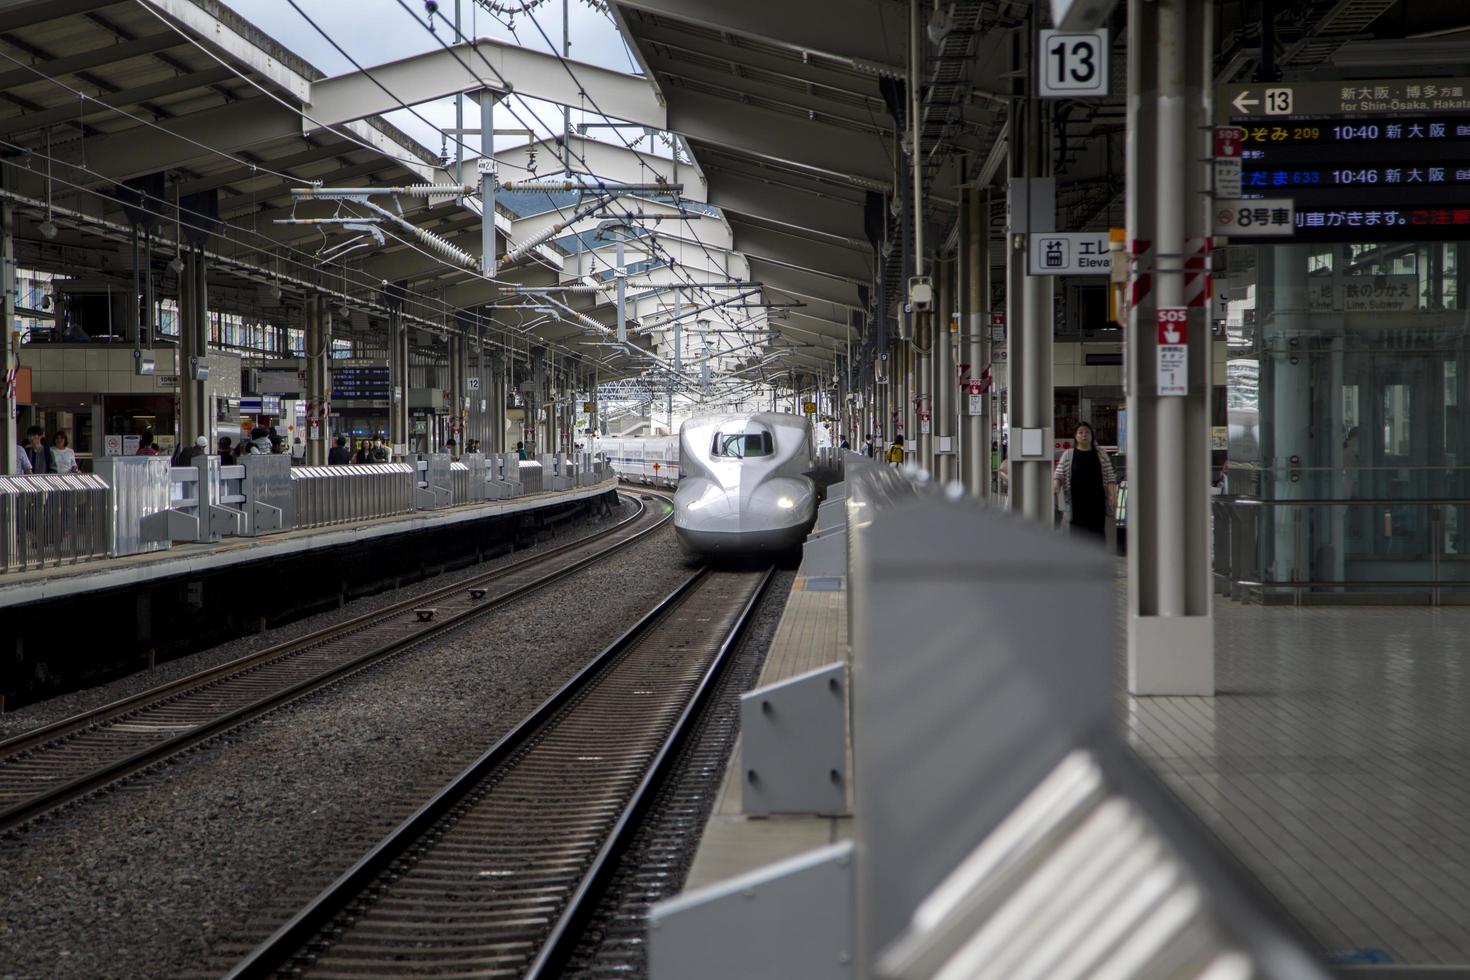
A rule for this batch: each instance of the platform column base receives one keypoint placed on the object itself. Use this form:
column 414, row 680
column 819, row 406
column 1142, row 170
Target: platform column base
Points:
column 1171, row 656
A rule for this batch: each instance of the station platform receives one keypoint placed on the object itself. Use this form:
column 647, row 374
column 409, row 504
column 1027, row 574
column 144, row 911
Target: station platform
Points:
column 164, row 604
column 1331, row 764
column 58, row 581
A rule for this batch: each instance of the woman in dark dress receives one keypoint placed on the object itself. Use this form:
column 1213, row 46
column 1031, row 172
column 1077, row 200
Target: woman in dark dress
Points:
column 1085, row 481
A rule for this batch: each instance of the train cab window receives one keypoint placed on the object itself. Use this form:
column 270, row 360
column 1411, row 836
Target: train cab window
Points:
column 742, row 445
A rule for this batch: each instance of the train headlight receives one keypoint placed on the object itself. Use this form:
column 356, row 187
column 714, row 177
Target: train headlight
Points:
column 785, row 503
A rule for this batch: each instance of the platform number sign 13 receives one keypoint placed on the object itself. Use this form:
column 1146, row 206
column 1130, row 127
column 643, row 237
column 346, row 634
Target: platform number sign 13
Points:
column 1070, row 64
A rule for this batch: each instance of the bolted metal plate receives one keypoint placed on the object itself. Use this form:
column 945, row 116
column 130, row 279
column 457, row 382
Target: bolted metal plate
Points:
column 793, row 744
column 789, row 919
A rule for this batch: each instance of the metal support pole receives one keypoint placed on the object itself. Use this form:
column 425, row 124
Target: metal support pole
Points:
column 487, row 180
column 458, row 111
column 910, row 398
column 398, row 380
column 621, row 279
column 916, row 68
column 496, row 440
column 923, row 343
column 1170, row 624
column 316, row 426
column 1030, row 316
column 944, row 378
column 456, row 390
column 193, row 306
column 976, row 275
column 9, row 438
column 1169, row 224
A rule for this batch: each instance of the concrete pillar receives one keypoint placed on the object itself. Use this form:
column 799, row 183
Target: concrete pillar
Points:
column 9, row 438
column 945, row 452
column 1287, row 388
column 1170, row 622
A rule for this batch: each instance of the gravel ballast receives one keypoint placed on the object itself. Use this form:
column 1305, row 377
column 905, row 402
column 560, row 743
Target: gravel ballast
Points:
column 184, row 869
column 66, row 705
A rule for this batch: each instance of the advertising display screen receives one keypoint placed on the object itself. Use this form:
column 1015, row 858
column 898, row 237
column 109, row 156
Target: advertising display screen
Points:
column 361, row 382
column 1364, row 160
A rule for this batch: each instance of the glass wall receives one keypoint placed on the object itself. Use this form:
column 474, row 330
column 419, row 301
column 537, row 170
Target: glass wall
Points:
column 1347, row 370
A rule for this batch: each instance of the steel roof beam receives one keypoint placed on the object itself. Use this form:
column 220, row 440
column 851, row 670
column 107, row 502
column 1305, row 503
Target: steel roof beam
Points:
column 104, row 104
column 805, row 285
column 108, row 54
column 442, row 72
column 857, row 156
column 740, row 194
column 802, row 253
column 871, row 32
column 605, row 161
column 30, row 12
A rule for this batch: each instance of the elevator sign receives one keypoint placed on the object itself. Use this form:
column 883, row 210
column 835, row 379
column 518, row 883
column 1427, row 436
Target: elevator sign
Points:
column 1173, row 359
column 1069, row 253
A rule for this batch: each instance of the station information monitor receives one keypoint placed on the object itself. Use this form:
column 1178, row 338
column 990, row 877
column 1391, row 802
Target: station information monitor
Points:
column 367, row 382
column 1364, row 160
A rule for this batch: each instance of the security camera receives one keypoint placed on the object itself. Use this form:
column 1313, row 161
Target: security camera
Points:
column 176, row 265
column 47, row 229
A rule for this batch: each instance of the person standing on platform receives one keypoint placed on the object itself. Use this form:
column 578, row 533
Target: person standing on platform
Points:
column 36, row 451
column 145, row 444
column 380, row 451
column 1085, row 485
column 895, row 452
column 521, row 450
column 869, row 450
column 63, row 457
column 340, row 454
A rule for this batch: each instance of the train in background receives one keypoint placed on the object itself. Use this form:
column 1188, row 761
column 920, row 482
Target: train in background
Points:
column 746, row 484
column 650, row 460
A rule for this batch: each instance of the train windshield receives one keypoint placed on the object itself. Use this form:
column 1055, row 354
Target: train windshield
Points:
column 742, row 445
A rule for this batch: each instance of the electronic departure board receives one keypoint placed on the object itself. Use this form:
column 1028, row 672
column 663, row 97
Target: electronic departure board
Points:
column 1365, row 161
column 361, row 382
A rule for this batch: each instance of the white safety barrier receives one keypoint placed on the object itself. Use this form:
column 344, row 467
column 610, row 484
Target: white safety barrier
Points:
column 1001, row 826
column 52, row 519
column 136, row 504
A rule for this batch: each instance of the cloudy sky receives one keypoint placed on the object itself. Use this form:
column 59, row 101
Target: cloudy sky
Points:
column 378, row 31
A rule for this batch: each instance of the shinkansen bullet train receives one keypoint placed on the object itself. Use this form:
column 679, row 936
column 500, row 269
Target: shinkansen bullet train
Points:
column 745, row 483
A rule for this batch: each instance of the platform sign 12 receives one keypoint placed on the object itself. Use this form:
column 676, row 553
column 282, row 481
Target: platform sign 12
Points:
column 1173, row 376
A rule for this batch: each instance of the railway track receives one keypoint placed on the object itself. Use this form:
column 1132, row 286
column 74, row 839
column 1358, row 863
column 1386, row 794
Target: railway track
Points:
column 59, row 763
column 494, row 876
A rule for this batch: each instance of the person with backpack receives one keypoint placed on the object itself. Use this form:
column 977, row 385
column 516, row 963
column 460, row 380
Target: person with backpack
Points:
column 895, row 452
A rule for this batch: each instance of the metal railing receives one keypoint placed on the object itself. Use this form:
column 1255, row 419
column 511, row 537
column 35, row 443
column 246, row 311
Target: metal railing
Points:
column 52, row 519
column 1318, row 549
column 138, row 504
column 328, row 495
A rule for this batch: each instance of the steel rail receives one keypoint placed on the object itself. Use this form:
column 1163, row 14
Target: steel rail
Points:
column 31, row 744
column 289, row 942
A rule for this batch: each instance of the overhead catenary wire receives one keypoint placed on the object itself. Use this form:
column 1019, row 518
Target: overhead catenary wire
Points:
column 347, row 135
column 195, row 221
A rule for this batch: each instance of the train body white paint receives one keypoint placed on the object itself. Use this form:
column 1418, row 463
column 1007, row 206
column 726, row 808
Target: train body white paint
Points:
column 745, row 483
column 634, row 458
